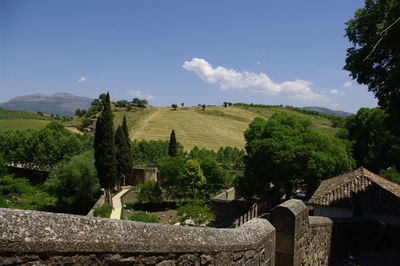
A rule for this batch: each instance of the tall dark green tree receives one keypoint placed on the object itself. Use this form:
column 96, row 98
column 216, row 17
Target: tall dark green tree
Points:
column 104, row 148
column 124, row 156
column 172, row 148
column 374, row 58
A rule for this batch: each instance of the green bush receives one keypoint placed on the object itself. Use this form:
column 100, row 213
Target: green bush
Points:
column 197, row 210
column 141, row 216
column 103, row 211
column 149, row 192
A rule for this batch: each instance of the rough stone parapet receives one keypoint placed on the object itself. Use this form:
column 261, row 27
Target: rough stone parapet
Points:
column 51, row 237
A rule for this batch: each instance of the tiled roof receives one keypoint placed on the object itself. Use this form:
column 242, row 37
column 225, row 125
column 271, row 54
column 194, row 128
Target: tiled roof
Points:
column 375, row 193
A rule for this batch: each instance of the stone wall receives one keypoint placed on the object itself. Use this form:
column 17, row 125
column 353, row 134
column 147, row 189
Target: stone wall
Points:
column 300, row 239
column 32, row 237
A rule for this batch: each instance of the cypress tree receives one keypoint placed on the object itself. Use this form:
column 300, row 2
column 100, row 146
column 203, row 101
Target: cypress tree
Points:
column 124, row 156
column 129, row 157
column 172, row 148
column 125, row 127
column 104, row 149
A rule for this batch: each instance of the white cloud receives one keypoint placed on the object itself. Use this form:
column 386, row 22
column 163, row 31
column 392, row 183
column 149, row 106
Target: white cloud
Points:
column 347, row 84
column 139, row 94
column 255, row 82
column 82, row 79
column 336, row 92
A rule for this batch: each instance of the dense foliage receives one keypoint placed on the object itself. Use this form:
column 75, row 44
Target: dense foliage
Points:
column 284, row 153
column 103, row 211
column 197, row 211
column 152, row 152
column 141, row 216
column 74, row 182
column 41, row 149
column 149, row 192
column 374, row 58
column 373, row 144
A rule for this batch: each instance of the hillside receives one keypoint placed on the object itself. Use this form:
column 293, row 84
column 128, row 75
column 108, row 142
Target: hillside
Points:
column 213, row 128
column 58, row 103
column 327, row 111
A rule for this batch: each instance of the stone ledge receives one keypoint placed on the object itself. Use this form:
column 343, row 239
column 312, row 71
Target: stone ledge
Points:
column 24, row 231
column 320, row 221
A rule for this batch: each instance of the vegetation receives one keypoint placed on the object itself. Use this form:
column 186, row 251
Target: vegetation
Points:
column 391, row 174
column 197, row 211
column 172, row 147
column 103, row 211
column 213, row 128
column 74, row 182
column 373, row 59
column 123, row 153
column 286, row 152
column 141, row 216
column 149, row 192
column 41, row 149
column 6, row 114
column 104, row 148
column 373, row 144
column 152, row 152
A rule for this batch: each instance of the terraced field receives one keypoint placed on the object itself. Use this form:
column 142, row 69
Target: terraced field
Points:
column 213, row 128
column 14, row 124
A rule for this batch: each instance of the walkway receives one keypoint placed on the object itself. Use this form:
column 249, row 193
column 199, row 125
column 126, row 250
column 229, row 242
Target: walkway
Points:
column 117, row 205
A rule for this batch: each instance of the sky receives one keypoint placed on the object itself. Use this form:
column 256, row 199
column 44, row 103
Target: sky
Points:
column 194, row 52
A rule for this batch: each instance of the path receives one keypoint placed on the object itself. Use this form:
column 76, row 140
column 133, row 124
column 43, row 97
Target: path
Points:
column 117, row 205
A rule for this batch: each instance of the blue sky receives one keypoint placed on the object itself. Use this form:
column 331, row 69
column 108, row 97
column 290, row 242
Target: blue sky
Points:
column 268, row 52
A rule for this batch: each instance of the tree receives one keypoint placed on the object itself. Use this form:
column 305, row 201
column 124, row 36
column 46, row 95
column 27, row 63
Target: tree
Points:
column 174, row 106
column 225, row 104
column 196, row 210
column 182, row 104
column 104, row 148
column 172, row 148
column 215, row 176
column 285, row 153
column 374, row 59
column 373, row 144
column 149, row 192
column 203, row 107
column 170, row 170
column 123, row 155
column 192, row 176
column 74, row 182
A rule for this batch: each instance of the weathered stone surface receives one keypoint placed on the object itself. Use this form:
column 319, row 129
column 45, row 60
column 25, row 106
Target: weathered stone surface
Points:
column 32, row 237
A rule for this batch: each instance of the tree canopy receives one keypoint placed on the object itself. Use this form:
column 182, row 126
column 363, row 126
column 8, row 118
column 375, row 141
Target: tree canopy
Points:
column 74, row 182
column 373, row 144
column 374, row 58
column 284, row 153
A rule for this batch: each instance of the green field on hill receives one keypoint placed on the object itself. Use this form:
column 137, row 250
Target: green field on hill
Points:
column 213, row 128
column 14, row 124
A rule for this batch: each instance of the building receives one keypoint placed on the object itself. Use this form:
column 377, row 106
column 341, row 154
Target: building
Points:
column 358, row 193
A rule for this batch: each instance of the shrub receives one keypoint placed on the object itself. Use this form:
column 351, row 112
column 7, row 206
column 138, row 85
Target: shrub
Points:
column 197, row 210
column 141, row 216
column 149, row 192
column 103, row 211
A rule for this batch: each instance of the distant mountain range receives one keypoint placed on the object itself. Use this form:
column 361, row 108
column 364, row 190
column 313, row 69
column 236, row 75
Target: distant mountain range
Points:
column 326, row 111
column 58, row 103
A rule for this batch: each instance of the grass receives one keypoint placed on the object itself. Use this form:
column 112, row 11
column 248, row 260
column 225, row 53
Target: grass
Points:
column 103, row 211
column 212, row 128
column 14, row 124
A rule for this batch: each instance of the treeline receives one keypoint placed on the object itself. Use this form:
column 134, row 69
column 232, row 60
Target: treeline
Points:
column 97, row 105
column 41, row 149
column 336, row 120
column 154, row 152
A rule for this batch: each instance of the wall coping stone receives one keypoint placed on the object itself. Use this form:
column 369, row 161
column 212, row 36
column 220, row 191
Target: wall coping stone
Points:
column 319, row 221
column 24, row 231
